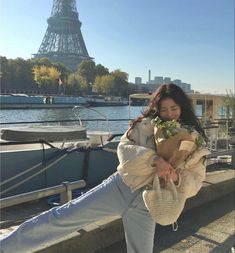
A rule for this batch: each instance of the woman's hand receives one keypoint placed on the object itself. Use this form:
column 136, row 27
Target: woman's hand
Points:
column 174, row 176
column 164, row 169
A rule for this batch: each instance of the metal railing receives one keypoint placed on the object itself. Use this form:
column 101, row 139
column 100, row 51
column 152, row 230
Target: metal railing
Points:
column 60, row 121
column 65, row 191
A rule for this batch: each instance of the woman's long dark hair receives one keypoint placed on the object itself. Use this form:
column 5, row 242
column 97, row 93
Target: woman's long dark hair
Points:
column 174, row 92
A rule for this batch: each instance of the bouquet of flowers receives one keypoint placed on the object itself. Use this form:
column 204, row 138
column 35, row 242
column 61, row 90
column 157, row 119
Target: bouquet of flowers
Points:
column 175, row 142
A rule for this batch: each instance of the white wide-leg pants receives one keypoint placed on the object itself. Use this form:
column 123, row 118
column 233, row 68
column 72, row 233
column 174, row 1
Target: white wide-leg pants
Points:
column 112, row 197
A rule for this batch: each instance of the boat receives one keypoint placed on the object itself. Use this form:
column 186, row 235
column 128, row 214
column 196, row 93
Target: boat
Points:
column 100, row 100
column 35, row 157
column 141, row 99
column 24, row 101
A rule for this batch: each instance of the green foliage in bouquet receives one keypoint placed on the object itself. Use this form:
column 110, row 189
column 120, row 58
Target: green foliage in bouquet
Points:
column 200, row 142
column 172, row 127
column 169, row 128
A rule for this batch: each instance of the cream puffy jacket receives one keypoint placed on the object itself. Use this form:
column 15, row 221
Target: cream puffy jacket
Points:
column 136, row 156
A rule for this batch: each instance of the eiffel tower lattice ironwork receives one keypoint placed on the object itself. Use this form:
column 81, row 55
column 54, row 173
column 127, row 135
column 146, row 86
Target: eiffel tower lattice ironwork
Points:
column 63, row 41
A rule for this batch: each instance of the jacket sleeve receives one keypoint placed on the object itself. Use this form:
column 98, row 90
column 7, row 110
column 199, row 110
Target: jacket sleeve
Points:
column 193, row 174
column 135, row 160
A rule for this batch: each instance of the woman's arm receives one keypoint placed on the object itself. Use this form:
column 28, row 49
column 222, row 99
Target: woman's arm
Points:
column 136, row 156
column 193, row 174
column 131, row 150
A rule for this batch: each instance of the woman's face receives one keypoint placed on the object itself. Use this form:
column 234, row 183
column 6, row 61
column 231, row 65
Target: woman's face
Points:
column 169, row 110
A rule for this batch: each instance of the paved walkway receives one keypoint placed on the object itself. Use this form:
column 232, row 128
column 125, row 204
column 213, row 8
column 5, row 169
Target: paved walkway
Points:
column 209, row 228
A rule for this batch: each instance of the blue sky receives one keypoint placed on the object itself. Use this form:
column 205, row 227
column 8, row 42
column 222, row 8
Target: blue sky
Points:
column 191, row 40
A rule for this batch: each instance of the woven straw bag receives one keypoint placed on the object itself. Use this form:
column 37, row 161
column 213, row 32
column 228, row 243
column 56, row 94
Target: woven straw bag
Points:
column 164, row 204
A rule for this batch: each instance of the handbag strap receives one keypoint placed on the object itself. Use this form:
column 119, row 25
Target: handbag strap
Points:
column 173, row 187
column 157, row 187
column 175, row 226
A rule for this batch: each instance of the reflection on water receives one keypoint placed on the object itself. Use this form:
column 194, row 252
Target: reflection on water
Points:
column 115, row 112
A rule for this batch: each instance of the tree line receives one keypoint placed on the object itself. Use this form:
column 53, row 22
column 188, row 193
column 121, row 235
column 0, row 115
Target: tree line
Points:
column 45, row 77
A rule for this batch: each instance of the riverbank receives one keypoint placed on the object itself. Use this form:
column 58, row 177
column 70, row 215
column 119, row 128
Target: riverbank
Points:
column 36, row 106
column 23, row 101
column 205, row 229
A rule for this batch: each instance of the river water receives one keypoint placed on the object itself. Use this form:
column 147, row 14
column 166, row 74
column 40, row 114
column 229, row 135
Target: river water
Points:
column 110, row 112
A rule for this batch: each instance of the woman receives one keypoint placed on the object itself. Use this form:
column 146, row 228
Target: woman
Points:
column 121, row 193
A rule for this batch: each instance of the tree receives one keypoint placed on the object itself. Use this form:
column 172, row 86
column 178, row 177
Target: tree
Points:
column 98, row 84
column 64, row 71
column 104, row 84
column 5, row 73
column 46, row 77
column 87, row 70
column 76, row 84
column 16, row 74
column 107, row 84
column 120, row 85
column 101, row 70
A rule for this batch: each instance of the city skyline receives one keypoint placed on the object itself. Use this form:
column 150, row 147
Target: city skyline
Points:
column 154, row 83
column 191, row 40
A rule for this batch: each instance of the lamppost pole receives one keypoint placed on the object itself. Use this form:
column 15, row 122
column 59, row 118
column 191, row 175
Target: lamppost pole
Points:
column 1, row 81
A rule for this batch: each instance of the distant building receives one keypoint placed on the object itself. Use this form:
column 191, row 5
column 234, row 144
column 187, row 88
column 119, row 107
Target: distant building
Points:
column 177, row 82
column 186, row 87
column 138, row 80
column 149, row 77
column 152, row 82
column 158, row 79
column 167, row 80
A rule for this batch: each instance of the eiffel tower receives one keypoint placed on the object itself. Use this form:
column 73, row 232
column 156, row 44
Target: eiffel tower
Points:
column 63, row 41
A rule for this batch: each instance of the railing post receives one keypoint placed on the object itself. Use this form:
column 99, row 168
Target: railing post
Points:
column 66, row 195
column 232, row 147
column 233, row 161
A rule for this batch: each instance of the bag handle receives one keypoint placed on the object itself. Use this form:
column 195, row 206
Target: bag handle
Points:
column 173, row 187
column 157, row 187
